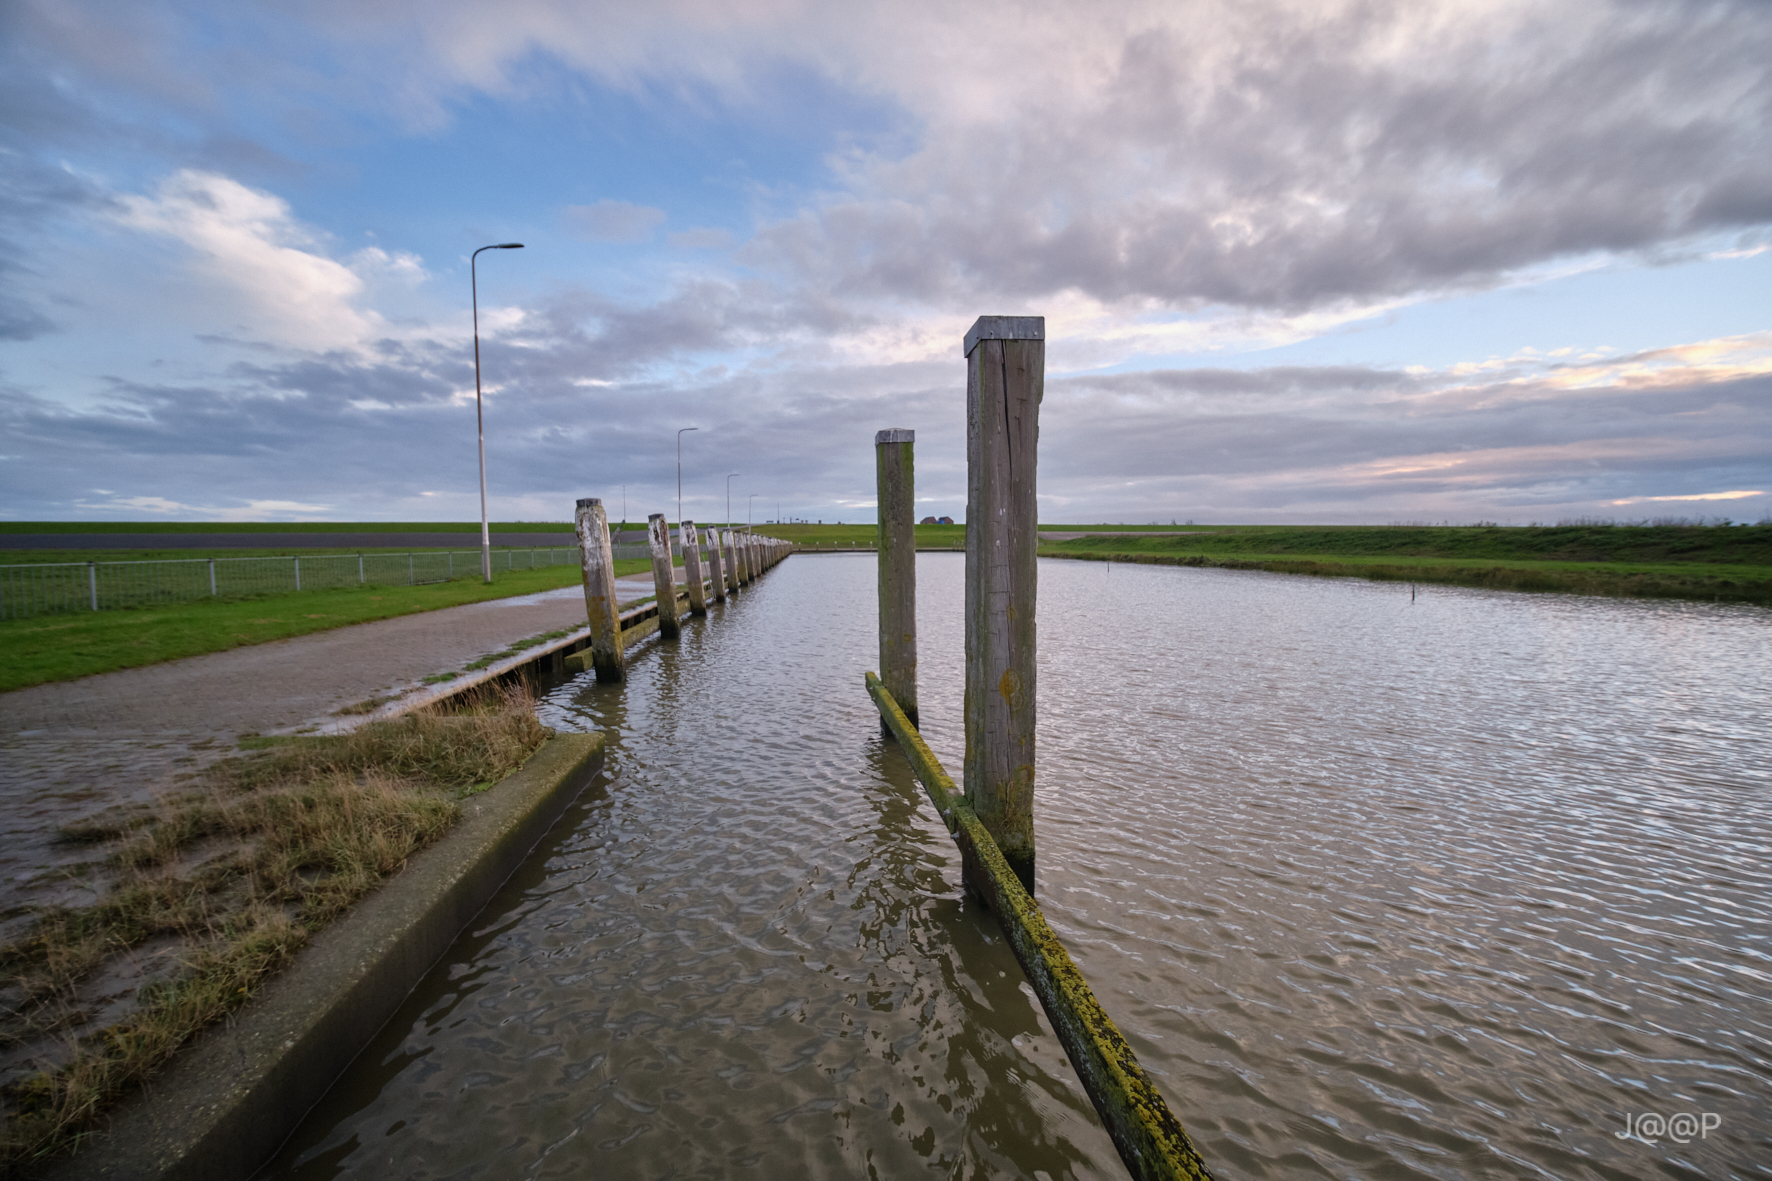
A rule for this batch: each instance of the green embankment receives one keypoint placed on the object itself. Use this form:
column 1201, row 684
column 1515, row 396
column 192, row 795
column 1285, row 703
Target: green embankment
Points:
column 1713, row 563
column 63, row 647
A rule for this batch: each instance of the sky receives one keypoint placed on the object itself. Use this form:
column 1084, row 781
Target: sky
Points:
column 1309, row 262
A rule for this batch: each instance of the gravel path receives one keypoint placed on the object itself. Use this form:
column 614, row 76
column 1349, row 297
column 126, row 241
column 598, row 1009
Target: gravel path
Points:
column 70, row 749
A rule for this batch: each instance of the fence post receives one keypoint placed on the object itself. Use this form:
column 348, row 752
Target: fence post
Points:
column 895, row 487
column 698, row 602
column 212, row 578
column 716, row 568
column 360, row 569
column 92, row 582
column 1005, row 380
column 601, row 609
column 658, row 535
column 297, row 561
column 411, row 578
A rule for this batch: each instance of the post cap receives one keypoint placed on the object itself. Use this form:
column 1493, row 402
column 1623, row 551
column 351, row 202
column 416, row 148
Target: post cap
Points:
column 897, row 434
column 1005, row 328
column 589, row 502
column 655, row 516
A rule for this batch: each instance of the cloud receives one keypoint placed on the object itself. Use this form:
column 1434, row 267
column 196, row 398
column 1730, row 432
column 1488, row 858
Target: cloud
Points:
column 614, row 221
column 700, row 238
column 248, row 244
column 1263, row 154
column 1741, row 495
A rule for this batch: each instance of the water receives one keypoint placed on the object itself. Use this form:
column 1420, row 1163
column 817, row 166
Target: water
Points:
column 1450, row 888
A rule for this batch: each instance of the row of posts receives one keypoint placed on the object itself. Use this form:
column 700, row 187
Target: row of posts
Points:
column 735, row 559
column 1005, row 380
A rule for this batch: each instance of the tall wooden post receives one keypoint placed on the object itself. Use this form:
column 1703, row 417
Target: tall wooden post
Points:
column 716, row 575
column 601, row 607
column 658, row 535
column 747, row 558
column 1005, row 379
column 698, row 603
column 895, row 484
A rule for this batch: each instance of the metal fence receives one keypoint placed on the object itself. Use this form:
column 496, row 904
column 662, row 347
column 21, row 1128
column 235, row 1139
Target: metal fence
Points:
column 55, row 588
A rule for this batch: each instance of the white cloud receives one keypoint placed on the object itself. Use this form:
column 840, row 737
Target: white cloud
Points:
column 262, row 263
column 253, row 510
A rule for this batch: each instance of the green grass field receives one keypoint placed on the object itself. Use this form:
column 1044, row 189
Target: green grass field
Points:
column 63, row 647
column 1720, row 563
column 465, row 527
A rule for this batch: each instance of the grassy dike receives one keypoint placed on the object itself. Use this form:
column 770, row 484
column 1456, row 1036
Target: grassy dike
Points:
column 215, row 889
column 62, row 647
column 1709, row 563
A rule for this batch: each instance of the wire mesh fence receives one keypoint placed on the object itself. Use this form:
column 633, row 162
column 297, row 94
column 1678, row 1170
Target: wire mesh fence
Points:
column 57, row 588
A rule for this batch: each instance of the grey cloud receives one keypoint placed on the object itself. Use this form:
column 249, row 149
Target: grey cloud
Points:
column 614, row 221
column 1302, row 168
column 700, row 238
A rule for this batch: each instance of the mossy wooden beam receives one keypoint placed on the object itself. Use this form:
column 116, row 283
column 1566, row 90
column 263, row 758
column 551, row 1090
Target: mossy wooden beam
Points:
column 1150, row 1140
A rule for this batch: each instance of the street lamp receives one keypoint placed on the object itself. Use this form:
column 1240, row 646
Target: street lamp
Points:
column 680, row 480
column 729, row 500
column 479, row 414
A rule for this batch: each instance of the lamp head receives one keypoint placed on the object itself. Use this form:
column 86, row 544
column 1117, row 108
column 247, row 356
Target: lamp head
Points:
column 509, row 246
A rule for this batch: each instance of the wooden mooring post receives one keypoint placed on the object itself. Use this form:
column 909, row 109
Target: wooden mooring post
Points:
column 895, row 483
column 1005, row 380
column 601, row 608
column 698, row 603
column 658, row 535
column 716, row 578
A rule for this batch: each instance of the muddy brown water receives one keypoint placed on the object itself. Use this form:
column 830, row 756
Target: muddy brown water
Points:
column 1376, row 888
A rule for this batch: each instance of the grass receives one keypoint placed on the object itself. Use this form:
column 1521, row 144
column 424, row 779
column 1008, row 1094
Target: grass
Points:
column 470, row 561
column 1723, row 563
column 62, row 647
column 238, row 872
column 463, row 527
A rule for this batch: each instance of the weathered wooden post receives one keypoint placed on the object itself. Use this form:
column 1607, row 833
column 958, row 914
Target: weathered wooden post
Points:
column 895, row 484
column 601, row 608
column 744, row 558
column 658, row 535
column 1005, row 380
column 716, row 577
column 698, row 603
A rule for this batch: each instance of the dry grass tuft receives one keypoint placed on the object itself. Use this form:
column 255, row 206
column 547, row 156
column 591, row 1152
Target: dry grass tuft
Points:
column 267, row 849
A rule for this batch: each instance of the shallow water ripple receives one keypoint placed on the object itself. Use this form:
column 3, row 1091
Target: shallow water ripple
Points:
column 1376, row 888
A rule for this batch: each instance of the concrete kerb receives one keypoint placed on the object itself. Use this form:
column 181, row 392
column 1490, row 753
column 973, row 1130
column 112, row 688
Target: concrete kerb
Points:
column 225, row 1105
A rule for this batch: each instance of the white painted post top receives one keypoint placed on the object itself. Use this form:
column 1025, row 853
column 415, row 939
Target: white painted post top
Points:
column 1005, row 328
column 588, row 501
column 895, row 435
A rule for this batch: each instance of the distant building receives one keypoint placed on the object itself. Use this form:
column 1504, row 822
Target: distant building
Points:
column 945, row 521
column 930, row 521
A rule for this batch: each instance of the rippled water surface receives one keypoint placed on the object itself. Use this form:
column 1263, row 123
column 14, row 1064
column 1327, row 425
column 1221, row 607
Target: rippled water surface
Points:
column 1376, row 888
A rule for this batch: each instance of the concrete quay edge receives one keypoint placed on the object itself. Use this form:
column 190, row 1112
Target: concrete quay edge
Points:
column 225, row 1105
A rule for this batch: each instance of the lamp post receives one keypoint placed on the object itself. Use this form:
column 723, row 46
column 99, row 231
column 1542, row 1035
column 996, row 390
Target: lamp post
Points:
column 479, row 413
column 680, row 480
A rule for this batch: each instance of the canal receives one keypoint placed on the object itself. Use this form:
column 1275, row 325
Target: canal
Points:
column 1444, row 886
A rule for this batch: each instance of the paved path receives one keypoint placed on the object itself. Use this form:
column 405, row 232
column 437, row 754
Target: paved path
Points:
column 70, row 749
